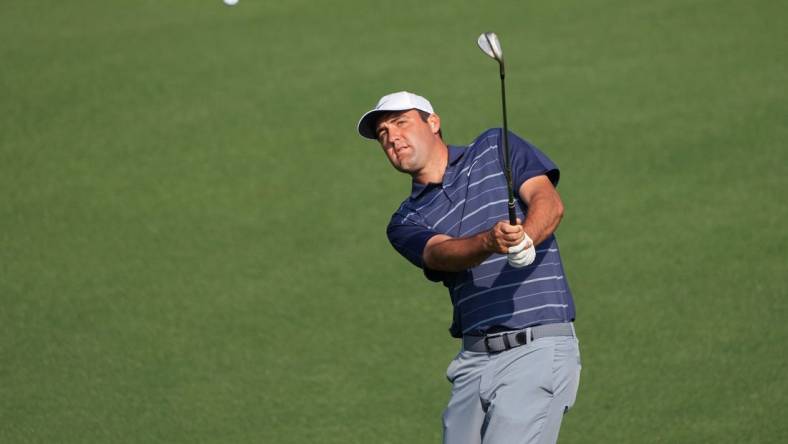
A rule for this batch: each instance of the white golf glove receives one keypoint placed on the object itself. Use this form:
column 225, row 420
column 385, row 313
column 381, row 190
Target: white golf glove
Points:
column 522, row 254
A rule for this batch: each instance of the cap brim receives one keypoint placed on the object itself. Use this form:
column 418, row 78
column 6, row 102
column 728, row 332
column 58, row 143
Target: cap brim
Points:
column 366, row 126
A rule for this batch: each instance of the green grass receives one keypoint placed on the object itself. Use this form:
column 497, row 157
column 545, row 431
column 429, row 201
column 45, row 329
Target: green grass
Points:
column 164, row 167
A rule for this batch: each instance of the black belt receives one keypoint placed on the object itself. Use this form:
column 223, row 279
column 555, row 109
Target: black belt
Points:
column 498, row 342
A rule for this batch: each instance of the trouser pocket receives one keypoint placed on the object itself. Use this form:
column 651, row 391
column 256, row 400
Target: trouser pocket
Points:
column 566, row 371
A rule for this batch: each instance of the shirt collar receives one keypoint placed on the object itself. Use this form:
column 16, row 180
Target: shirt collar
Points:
column 455, row 153
column 417, row 189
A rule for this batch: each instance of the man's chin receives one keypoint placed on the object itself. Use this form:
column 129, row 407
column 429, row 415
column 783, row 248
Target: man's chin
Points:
column 405, row 168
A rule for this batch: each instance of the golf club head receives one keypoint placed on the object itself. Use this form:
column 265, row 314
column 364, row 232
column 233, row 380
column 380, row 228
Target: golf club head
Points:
column 491, row 46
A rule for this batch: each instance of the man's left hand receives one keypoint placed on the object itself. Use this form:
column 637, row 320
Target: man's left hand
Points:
column 522, row 254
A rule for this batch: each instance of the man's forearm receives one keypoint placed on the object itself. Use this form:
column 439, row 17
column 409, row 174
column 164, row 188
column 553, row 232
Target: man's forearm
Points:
column 545, row 208
column 544, row 215
column 445, row 253
column 457, row 254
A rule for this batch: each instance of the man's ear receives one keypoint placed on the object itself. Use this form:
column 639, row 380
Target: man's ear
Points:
column 435, row 123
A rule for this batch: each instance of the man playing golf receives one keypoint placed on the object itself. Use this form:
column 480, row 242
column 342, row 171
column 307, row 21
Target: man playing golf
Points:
column 518, row 370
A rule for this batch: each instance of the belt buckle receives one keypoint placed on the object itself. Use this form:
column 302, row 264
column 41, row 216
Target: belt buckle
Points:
column 525, row 337
column 507, row 345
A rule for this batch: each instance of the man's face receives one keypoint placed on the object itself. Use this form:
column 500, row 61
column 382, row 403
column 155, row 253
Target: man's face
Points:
column 407, row 139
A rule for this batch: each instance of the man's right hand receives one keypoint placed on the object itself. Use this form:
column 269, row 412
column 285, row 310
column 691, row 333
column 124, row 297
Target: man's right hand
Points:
column 503, row 235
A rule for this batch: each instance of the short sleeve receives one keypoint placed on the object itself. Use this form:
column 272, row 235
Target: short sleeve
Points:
column 409, row 239
column 528, row 162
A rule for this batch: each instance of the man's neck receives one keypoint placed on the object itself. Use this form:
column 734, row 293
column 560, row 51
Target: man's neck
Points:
column 436, row 166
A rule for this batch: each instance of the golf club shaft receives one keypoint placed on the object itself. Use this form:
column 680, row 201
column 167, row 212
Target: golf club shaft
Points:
column 506, row 162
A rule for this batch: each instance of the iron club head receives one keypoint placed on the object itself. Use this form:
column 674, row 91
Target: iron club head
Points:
column 491, row 46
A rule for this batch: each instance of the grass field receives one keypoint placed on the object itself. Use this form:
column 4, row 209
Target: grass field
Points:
column 166, row 166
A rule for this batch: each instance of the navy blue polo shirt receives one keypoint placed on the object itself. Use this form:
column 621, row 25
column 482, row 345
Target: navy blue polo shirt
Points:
column 492, row 296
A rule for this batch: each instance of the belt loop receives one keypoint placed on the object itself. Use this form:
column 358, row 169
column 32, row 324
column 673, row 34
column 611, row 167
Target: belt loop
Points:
column 528, row 336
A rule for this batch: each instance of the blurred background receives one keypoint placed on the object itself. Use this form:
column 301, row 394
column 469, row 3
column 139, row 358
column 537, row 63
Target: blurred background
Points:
column 192, row 234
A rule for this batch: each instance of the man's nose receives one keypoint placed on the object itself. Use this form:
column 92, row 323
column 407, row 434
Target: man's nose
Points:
column 394, row 134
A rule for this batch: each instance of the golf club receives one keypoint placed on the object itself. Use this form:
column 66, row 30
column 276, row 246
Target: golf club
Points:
column 491, row 46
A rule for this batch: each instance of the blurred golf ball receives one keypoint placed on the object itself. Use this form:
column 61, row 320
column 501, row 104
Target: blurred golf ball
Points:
column 230, row 2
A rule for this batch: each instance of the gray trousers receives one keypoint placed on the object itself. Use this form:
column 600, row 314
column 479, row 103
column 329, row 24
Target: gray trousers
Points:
column 515, row 396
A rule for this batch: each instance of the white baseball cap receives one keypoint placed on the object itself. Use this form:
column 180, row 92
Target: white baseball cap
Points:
column 398, row 101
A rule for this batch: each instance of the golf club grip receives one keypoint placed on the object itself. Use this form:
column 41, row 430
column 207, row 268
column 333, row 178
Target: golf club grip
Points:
column 512, row 214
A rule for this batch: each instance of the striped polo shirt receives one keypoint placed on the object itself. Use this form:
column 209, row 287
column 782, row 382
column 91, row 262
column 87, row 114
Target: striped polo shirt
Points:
column 492, row 296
